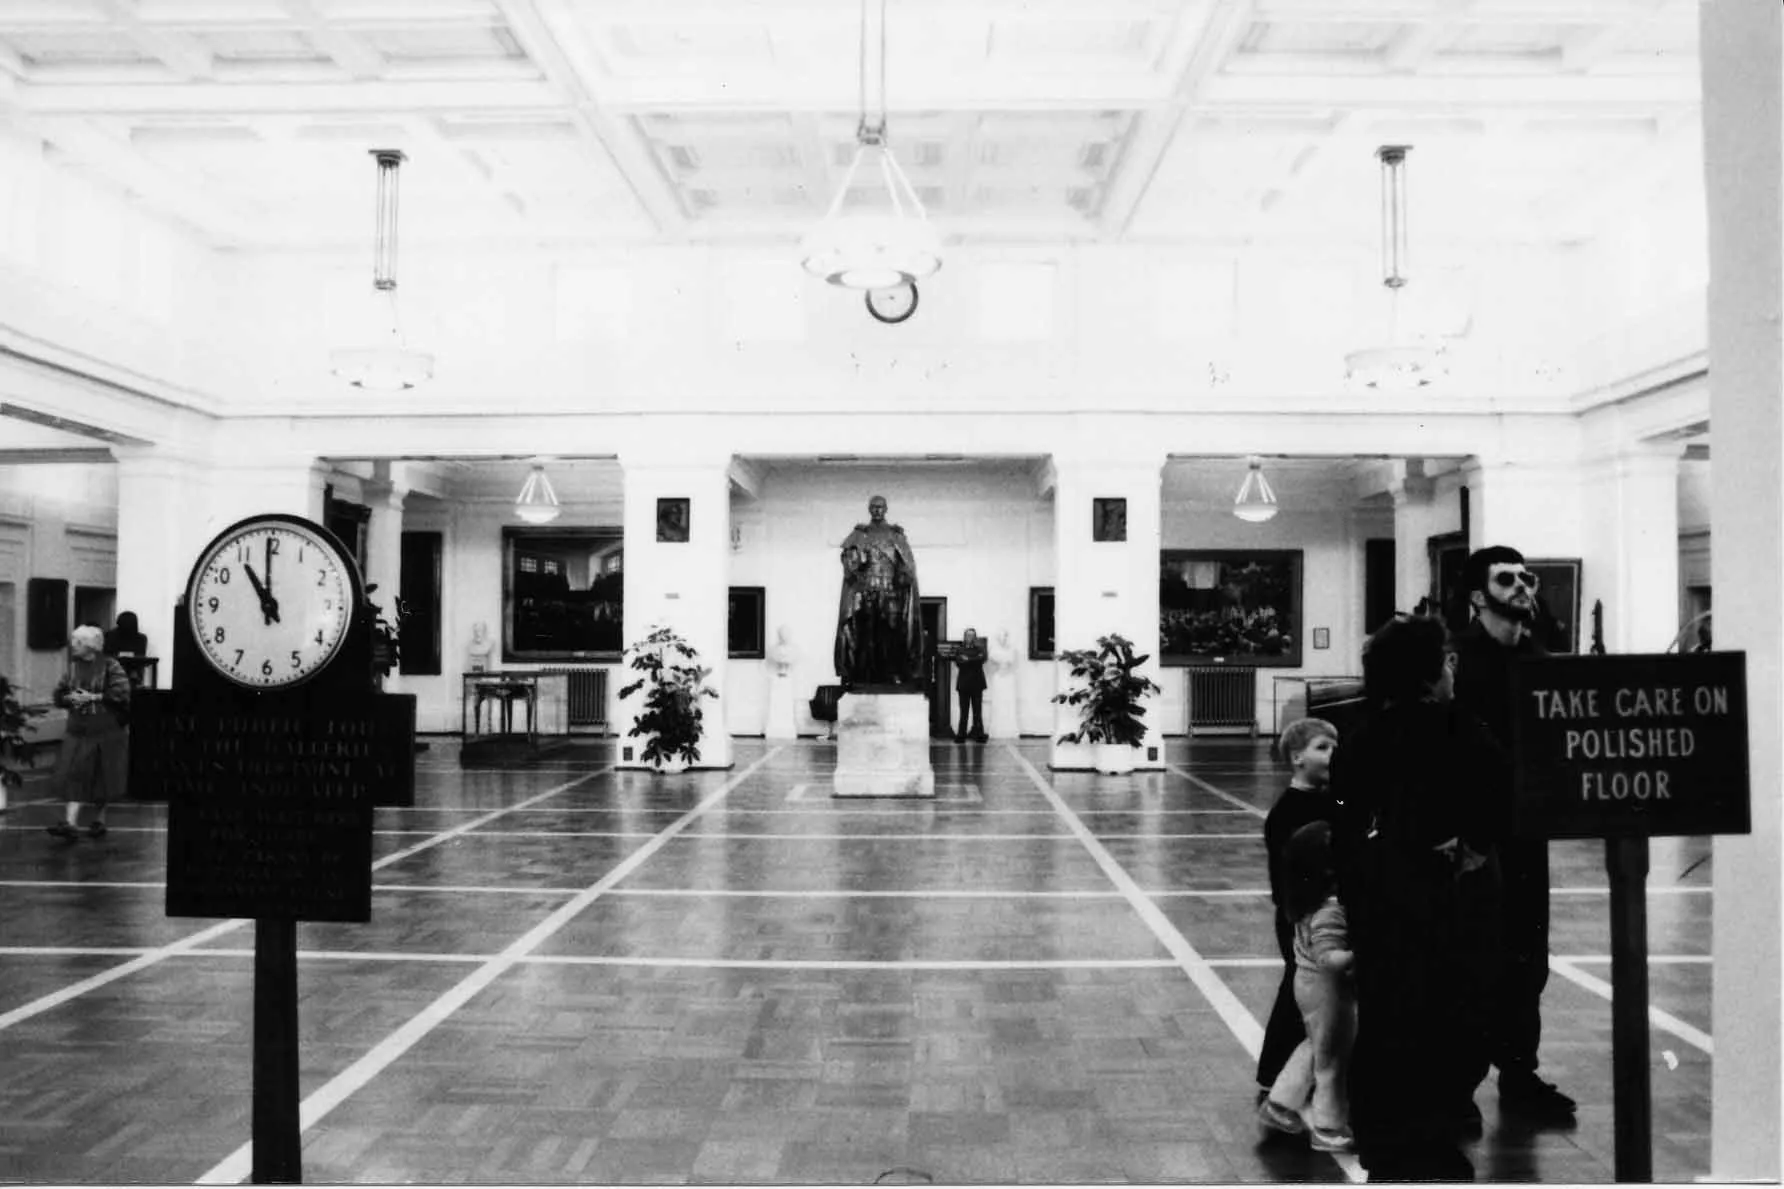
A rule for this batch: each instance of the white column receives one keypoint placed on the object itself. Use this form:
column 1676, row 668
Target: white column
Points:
column 683, row 585
column 384, row 553
column 160, row 533
column 256, row 484
column 1742, row 45
column 1103, row 587
column 1633, row 548
column 1412, row 562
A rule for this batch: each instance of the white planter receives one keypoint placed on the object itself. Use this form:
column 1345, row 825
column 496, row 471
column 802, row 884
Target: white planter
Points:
column 670, row 766
column 1116, row 759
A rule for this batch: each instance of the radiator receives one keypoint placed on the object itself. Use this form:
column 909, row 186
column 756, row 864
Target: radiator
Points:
column 587, row 696
column 1223, row 699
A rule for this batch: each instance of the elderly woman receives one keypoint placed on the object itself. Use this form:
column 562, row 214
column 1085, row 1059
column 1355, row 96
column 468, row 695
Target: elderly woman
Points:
column 91, row 767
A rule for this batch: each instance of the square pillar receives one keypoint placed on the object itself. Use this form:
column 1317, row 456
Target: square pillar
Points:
column 1633, row 535
column 1104, row 587
column 159, row 538
column 384, row 553
column 1741, row 57
column 678, row 584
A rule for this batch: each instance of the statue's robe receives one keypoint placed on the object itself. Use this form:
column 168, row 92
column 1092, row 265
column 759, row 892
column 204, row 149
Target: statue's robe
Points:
column 879, row 622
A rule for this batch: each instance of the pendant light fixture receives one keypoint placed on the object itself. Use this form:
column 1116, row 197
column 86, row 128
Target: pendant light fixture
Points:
column 1255, row 502
column 388, row 365
column 888, row 248
column 537, row 503
column 1400, row 364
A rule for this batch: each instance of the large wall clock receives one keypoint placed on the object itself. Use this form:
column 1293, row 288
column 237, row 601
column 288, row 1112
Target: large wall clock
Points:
column 272, row 601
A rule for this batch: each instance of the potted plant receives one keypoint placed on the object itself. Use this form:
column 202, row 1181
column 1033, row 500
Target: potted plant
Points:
column 671, row 718
column 13, row 725
column 386, row 638
column 1108, row 699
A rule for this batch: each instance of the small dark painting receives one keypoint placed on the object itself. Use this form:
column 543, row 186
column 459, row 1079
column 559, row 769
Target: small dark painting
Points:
column 1108, row 520
column 672, row 519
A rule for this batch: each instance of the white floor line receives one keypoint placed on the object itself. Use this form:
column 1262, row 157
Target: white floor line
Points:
column 1664, row 889
column 470, row 889
column 1211, row 893
column 1226, row 1005
column 1665, row 1021
column 79, row 883
column 1244, row 806
column 493, row 815
column 238, row 1164
column 852, row 894
column 144, row 961
column 889, row 964
column 141, row 962
column 73, row 951
column 350, row 956
column 1653, row 959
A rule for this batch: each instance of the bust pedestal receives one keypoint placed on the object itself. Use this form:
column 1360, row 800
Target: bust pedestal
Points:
column 882, row 746
column 780, row 724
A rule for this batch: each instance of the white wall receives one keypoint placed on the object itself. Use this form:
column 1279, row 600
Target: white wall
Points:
column 981, row 537
column 1331, row 591
column 56, row 521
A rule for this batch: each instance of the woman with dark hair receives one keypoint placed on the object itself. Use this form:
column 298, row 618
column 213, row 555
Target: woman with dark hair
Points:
column 1419, row 883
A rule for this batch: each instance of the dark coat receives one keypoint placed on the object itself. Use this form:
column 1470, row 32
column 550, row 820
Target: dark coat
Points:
column 969, row 667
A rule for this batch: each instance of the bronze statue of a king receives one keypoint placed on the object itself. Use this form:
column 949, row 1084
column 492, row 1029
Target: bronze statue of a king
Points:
column 879, row 625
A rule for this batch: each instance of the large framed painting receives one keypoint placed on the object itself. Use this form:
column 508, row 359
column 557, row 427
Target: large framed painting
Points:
column 563, row 594
column 1230, row 606
column 1558, row 602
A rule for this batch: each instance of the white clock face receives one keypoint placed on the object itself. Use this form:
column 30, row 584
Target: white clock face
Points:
column 270, row 603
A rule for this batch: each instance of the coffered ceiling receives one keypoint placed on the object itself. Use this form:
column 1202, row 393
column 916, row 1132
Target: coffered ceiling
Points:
column 672, row 121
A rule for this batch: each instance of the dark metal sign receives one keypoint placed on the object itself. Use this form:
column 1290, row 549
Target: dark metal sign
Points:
column 270, row 811
column 1630, row 746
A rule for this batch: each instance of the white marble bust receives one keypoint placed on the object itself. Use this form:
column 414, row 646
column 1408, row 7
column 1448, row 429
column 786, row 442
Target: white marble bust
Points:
column 479, row 650
column 783, row 654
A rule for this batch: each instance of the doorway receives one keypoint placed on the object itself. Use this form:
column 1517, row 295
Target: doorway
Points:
column 936, row 669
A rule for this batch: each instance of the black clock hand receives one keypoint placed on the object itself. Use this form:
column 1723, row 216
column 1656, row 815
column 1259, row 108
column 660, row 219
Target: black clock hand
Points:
column 269, row 606
column 269, row 570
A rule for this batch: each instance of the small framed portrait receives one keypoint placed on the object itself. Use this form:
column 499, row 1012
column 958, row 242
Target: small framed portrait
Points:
column 672, row 519
column 1322, row 638
column 1108, row 519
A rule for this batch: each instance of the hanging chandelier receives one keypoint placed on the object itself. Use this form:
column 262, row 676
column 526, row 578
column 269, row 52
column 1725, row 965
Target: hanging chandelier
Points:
column 537, row 503
column 1256, row 502
column 882, row 249
column 388, row 365
column 1398, row 365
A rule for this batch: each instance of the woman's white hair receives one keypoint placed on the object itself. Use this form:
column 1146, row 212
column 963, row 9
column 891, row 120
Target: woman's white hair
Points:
column 87, row 636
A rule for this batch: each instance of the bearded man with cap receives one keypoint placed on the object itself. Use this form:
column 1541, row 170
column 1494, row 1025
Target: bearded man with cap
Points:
column 1502, row 591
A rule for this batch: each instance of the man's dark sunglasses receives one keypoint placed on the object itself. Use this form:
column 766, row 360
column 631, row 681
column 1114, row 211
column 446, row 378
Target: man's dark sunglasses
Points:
column 1506, row 578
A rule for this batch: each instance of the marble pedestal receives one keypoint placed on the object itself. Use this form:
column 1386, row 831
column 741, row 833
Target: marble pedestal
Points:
column 882, row 746
column 1000, row 708
column 780, row 724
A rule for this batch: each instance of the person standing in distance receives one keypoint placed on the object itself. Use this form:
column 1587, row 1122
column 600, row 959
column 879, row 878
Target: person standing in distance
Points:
column 1502, row 591
column 970, row 684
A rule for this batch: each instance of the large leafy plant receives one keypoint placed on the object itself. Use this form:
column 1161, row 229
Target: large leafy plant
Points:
column 1109, row 693
column 674, row 681
column 14, row 722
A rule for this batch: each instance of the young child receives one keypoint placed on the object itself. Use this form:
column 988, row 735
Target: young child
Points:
column 1314, row 1078
column 1306, row 745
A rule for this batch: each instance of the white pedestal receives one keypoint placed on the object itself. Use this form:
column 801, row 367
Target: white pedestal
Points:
column 780, row 723
column 1000, row 707
column 882, row 746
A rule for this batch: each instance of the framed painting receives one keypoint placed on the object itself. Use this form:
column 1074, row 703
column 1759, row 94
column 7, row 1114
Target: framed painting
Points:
column 745, row 623
column 1040, row 623
column 1108, row 519
column 563, row 593
column 1230, row 606
column 672, row 519
column 1557, row 602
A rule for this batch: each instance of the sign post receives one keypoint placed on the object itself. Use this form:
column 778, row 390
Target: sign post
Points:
column 271, row 750
column 1625, row 748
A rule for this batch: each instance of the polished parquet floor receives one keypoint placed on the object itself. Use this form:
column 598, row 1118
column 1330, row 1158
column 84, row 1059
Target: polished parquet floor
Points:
column 575, row 974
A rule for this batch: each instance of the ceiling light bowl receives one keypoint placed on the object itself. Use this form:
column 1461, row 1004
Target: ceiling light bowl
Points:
column 872, row 251
column 1395, row 369
column 382, row 369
